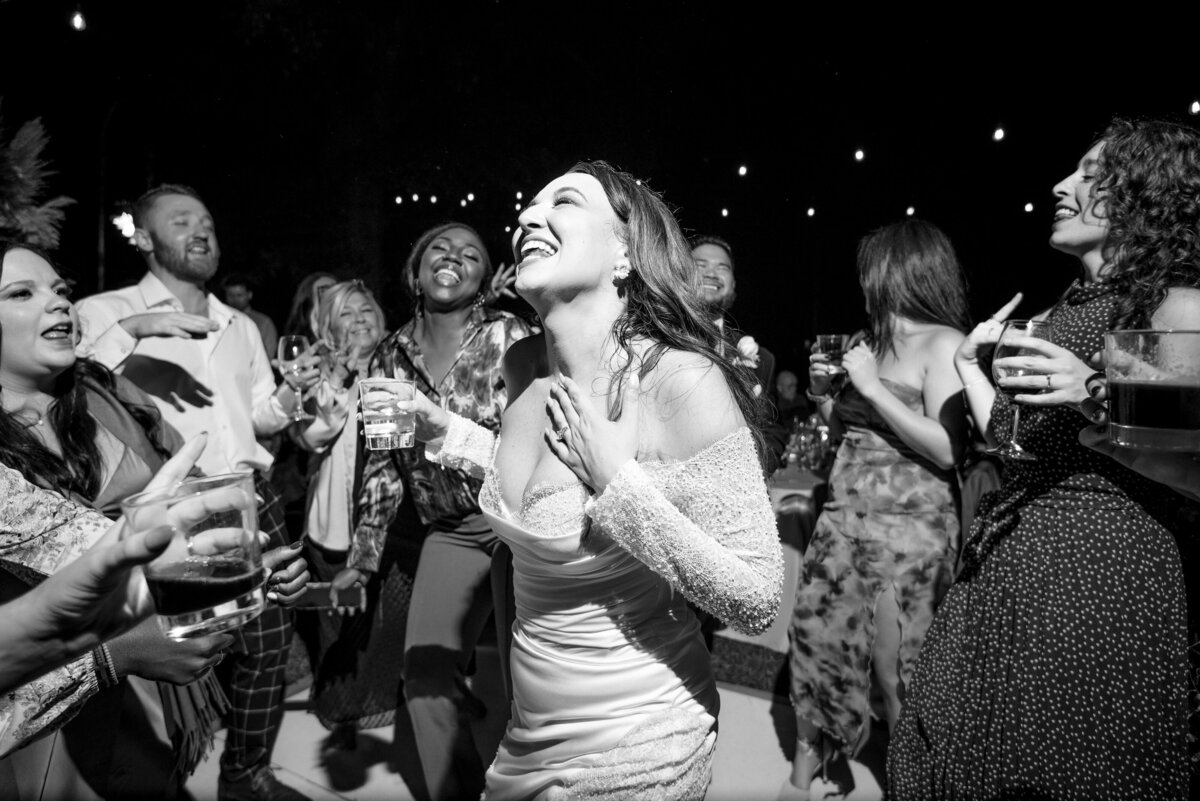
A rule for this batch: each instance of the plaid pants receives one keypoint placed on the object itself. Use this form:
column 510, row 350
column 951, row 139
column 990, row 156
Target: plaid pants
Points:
column 257, row 664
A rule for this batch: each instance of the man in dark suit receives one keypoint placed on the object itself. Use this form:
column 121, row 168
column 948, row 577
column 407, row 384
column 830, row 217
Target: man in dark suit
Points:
column 714, row 260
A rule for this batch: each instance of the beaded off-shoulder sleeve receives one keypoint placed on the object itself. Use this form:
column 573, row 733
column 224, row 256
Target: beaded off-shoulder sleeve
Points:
column 467, row 446
column 706, row 526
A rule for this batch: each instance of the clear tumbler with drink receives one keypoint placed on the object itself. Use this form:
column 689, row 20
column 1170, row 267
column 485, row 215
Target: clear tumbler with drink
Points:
column 210, row 577
column 384, row 425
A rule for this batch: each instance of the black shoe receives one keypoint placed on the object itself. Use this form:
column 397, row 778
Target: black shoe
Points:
column 259, row 784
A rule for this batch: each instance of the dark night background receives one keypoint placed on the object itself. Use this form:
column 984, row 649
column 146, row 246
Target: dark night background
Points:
column 300, row 121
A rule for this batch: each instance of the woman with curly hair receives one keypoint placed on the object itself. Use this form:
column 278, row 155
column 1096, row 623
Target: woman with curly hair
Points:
column 1057, row 665
column 628, row 481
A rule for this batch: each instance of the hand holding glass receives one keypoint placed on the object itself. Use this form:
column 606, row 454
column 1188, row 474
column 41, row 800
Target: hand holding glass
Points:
column 1153, row 389
column 291, row 348
column 1014, row 329
column 833, row 346
column 210, row 578
column 384, row 425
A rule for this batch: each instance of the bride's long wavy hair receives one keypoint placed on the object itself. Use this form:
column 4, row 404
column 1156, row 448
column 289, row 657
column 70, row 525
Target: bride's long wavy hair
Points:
column 1149, row 174
column 663, row 304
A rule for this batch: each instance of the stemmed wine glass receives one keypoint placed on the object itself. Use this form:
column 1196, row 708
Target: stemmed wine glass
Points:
column 291, row 348
column 1014, row 329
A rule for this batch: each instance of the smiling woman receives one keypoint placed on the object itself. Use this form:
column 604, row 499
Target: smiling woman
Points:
column 71, row 426
column 627, row 483
column 451, row 350
column 1057, row 665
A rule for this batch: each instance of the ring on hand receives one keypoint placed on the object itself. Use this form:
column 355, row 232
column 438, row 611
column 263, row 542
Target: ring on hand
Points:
column 561, row 433
column 1048, row 382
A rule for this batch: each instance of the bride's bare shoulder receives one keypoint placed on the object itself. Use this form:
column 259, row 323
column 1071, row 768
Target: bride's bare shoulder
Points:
column 691, row 401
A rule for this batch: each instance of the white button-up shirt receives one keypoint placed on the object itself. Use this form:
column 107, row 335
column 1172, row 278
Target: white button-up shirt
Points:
column 221, row 383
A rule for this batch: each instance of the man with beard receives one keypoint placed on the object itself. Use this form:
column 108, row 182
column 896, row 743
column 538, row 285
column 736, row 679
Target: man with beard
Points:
column 205, row 366
column 714, row 260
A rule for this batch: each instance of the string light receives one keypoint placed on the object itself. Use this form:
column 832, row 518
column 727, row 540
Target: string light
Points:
column 724, row 212
column 859, row 155
column 1028, row 207
column 742, row 170
column 998, row 134
column 399, row 200
column 811, row 211
column 508, row 229
column 77, row 21
column 517, row 206
column 462, row 203
column 518, row 196
column 1195, row 107
column 433, row 198
column 416, row 198
column 471, row 196
column 910, row 211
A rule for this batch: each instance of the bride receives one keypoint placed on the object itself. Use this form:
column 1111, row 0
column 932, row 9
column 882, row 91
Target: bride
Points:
column 627, row 481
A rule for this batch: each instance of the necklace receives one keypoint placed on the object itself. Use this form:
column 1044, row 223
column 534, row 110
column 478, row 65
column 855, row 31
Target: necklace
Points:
column 22, row 416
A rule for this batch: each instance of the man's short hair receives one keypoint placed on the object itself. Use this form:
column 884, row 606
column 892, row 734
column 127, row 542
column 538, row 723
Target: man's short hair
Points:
column 142, row 206
column 712, row 239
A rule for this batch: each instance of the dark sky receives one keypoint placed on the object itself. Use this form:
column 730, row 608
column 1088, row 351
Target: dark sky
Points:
column 301, row 120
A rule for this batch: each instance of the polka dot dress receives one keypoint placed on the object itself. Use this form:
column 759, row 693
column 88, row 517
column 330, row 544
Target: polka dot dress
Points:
column 1056, row 666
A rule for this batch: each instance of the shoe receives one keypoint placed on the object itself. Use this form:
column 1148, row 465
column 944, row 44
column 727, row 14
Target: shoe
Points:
column 259, row 784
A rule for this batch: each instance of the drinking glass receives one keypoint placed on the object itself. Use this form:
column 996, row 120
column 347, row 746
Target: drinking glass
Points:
column 1014, row 329
column 1153, row 389
column 210, row 577
column 291, row 348
column 384, row 425
column 833, row 346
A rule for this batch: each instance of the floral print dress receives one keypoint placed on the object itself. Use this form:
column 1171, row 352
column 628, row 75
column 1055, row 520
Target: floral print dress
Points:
column 891, row 520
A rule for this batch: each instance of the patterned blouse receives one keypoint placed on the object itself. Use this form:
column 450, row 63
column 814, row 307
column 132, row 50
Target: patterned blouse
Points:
column 474, row 389
column 40, row 532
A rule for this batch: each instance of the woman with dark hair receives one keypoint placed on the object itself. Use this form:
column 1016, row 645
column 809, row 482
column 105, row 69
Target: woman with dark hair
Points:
column 1057, row 666
column 302, row 317
column 628, row 482
column 883, row 549
column 72, row 426
column 452, row 351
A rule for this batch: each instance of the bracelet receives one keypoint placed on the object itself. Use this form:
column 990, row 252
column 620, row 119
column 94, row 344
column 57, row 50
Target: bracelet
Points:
column 106, row 672
column 817, row 398
column 970, row 384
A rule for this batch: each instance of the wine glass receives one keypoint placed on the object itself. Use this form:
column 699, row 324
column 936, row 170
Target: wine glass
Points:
column 291, row 348
column 1014, row 329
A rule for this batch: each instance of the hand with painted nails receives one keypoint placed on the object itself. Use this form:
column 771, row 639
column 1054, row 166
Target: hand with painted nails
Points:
column 287, row 574
column 145, row 651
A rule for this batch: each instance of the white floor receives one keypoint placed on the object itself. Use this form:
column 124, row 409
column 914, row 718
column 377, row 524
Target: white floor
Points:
column 750, row 763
